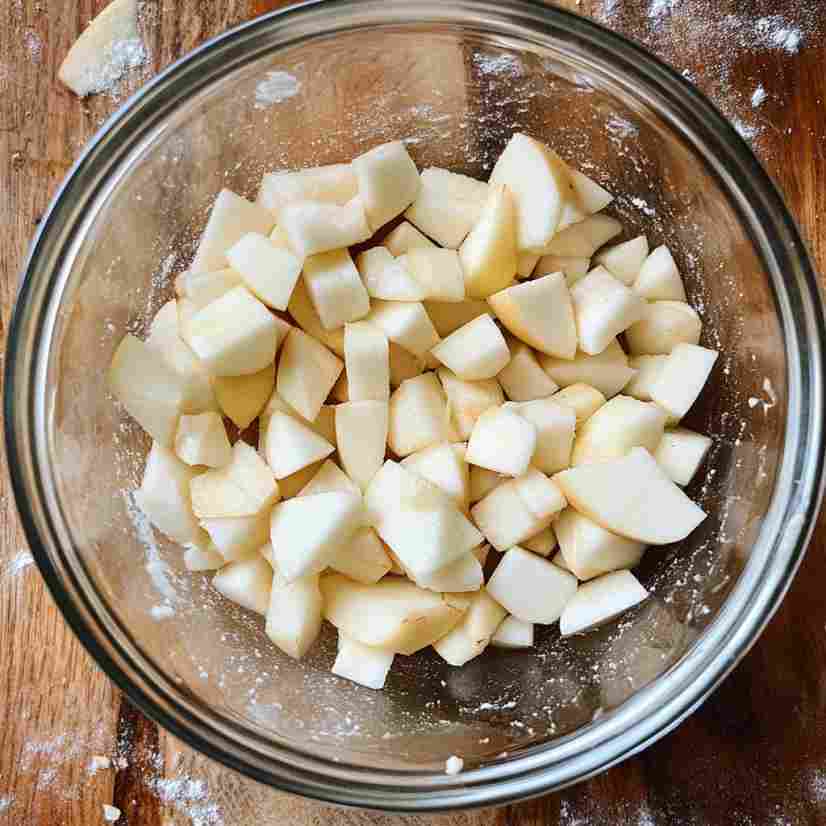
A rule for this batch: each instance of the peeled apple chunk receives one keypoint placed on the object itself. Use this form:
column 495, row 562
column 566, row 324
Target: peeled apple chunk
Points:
column 294, row 613
column 232, row 217
column 313, row 227
column 449, row 316
column 333, row 184
column 582, row 240
column 438, row 272
column 447, row 205
column 307, row 372
column 603, row 308
column 582, row 399
column 538, row 181
column 681, row 452
column 648, row 368
column 308, row 531
column 590, row 196
column 616, row 427
column 502, row 441
column 406, row 237
column 202, row 559
column 242, row 398
column 327, row 478
column 542, row 543
column 403, row 365
column 335, row 288
column 472, row 635
column 540, row 313
column 165, row 498
column 468, row 400
column 631, row 496
column 530, row 587
column 362, row 664
column 589, row 550
column 600, row 600
column 244, row 487
column 572, row 268
column 625, row 260
column 663, row 325
column 235, row 335
column 555, row 426
column 362, row 557
column 247, row 582
column 474, row 352
column 269, row 272
column 418, row 416
column 682, row 378
column 388, row 182
column 442, row 466
column 513, row 633
column 607, row 371
column 525, row 264
column 483, row 481
column 239, row 536
column 463, row 575
column 388, row 278
column 659, row 279
column 488, row 254
column 202, row 440
column 148, row 388
column 394, row 614
column 361, row 437
column 522, row 378
column 406, row 323
column 292, row 445
column 306, row 317
column 367, row 362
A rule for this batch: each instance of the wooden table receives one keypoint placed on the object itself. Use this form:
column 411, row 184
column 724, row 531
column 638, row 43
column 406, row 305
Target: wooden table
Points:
column 754, row 754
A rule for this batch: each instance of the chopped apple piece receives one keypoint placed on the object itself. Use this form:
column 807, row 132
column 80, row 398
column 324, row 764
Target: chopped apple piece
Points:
column 269, row 273
column 601, row 600
column 203, row 559
column 206, row 286
column 439, row 273
column 542, row 543
column 406, row 323
column 363, row 664
column 483, row 481
column 237, row 537
column 662, row 326
column 460, row 576
column 625, row 260
column 388, row 278
column 681, row 452
column 247, row 582
column 388, row 182
column 406, row 237
column 304, row 314
column 335, row 288
column 363, row 557
column 149, row 389
column 473, row 634
column 329, row 477
column 403, row 365
column 525, row 264
column 502, row 441
column 603, row 307
column 242, row 398
column 539, row 312
column 294, row 613
column 659, row 279
column 449, row 316
column 590, row 196
column 582, row 399
column 418, row 415
column 589, row 550
column 361, row 436
column 555, row 425
column 560, row 562
column 531, row 588
column 682, row 378
column 307, row 372
column 313, row 227
column 292, row 445
column 307, row 532
column 164, row 496
column 232, row 217
column 540, row 495
column 631, row 496
column 616, row 427
column 538, row 180
column 367, row 362
column 447, row 206
column 607, row 371
column 513, row 633
column 442, row 466
column 474, row 352
column 468, row 400
column 488, row 254
column 648, row 368
column 333, row 184
column 573, row 269
column 235, row 335
column 202, row 440
column 522, row 378
column 583, row 239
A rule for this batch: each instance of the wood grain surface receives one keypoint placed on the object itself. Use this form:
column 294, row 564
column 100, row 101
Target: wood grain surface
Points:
column 754, row 754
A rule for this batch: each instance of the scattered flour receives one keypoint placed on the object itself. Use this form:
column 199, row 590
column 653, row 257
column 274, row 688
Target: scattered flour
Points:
column 111, row 813
column 275, row 88
column 17, row 564
column 6, row 803
column 758, row 96
column 454, row 764
column 99, row 762
column 161, row 612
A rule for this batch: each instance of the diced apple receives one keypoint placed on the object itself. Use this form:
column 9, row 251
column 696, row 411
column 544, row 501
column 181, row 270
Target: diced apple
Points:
column 418, row 415
column 335, row 288
column 291, row 445
column 538, row 181
column 540, row 495
column 406, row 323
column 323, row 424
column 488, row 254
column 403, row 365
column 601, row 600
column 269, row 273
column 367, row 362
column 406, row 237
column 681, row 452
column 202, row 559
column 619, row 425
column 460, row 576
column 589, row 550
column 607, row 371
column 242, row 398
column 148, row 388
column 308, row 531
column 502, row 441
column 232, row 217
column 648, row 368
column 294, row 613
column 659, row 279
column 340, row 392
column 439, row 273
column 631, row 496
column 525, row 264
column 555, row 425
column 483, row 481
column 473, row 634
column 202, row 440
column 474, row 352
column 582, row 399
column 560, row 562
column 682, row 378
column 235, row 335
column 333, row 184
column 590, row 196
column 583, row 239
column 662, row 326
column 313, row 227
column 363, row 664
column 388, row 278
column 164, row 496
column 307, row 372
column 441, row 465
column 573, row 269
column 541, row 543
column 522, row 378
column 513, row 633
column 504, row 518
column 467, row 400
column 531, row 588
column 304, row 314
column 329, row 477
column 206, row 286
column 603, row 308
column 449, row 316
column 247, row 582
column 363, row 557
column 625, row 260
column 239, row 536
column 388, row 182
column 361, row 436
column 447, row 206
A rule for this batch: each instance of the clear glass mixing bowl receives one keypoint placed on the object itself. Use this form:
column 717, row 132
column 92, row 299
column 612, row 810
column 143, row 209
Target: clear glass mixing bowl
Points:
column 322, row 83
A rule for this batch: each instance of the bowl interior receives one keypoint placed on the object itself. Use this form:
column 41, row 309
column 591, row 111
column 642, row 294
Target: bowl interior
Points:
column 454, row 96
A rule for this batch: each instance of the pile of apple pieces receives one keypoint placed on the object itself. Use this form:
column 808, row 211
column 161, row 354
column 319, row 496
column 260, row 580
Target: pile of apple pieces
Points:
column 514, row 302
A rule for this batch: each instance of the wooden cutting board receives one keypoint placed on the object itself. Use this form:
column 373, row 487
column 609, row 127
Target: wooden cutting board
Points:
column 754, row 754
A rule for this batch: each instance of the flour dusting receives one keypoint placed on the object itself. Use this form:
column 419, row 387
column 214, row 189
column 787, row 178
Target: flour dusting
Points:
column 276, row 88
column 17, row 564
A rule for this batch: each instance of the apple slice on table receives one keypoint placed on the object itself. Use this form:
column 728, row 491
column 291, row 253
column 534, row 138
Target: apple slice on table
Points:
column 624, row 261
column 573, row 269
column 449, row 316
column 541, row 543
column 237, row 537
column 600, row 600
column 631, row 496
column 313, row 227
column 583, row 399
column 659, row 279
column 294, row 613
column 513, row 633
column 648, row 368
column 522, row 378
column 681, row 452
column 362, row 664
column 502, row 441
column 291, row 445
column 555, row 425
column 362, row 557
column 460, row 576
column 270, row 273
column 202, row 440
column 361, row 436
column 306, row 317
column 388, row 182
column 332, row 184
column 662, row 326
column 406, row 323
column 204, row 287
column 439, row 273
column 335, row 288
column 418, row 415
column 474, row 352
column 583, row 239
column 307, row 372
column 682, row 378
column 242, row 398
column 473, row 634
column 388, row 278
column 607, row 371
column 406, row 237
column 442, row 466
column 247, row 582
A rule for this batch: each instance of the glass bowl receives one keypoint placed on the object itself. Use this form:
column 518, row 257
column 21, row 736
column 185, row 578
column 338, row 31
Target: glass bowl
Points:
column 321, row 83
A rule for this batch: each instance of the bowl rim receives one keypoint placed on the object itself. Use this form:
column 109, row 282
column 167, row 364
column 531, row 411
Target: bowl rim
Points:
column 651, row 712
